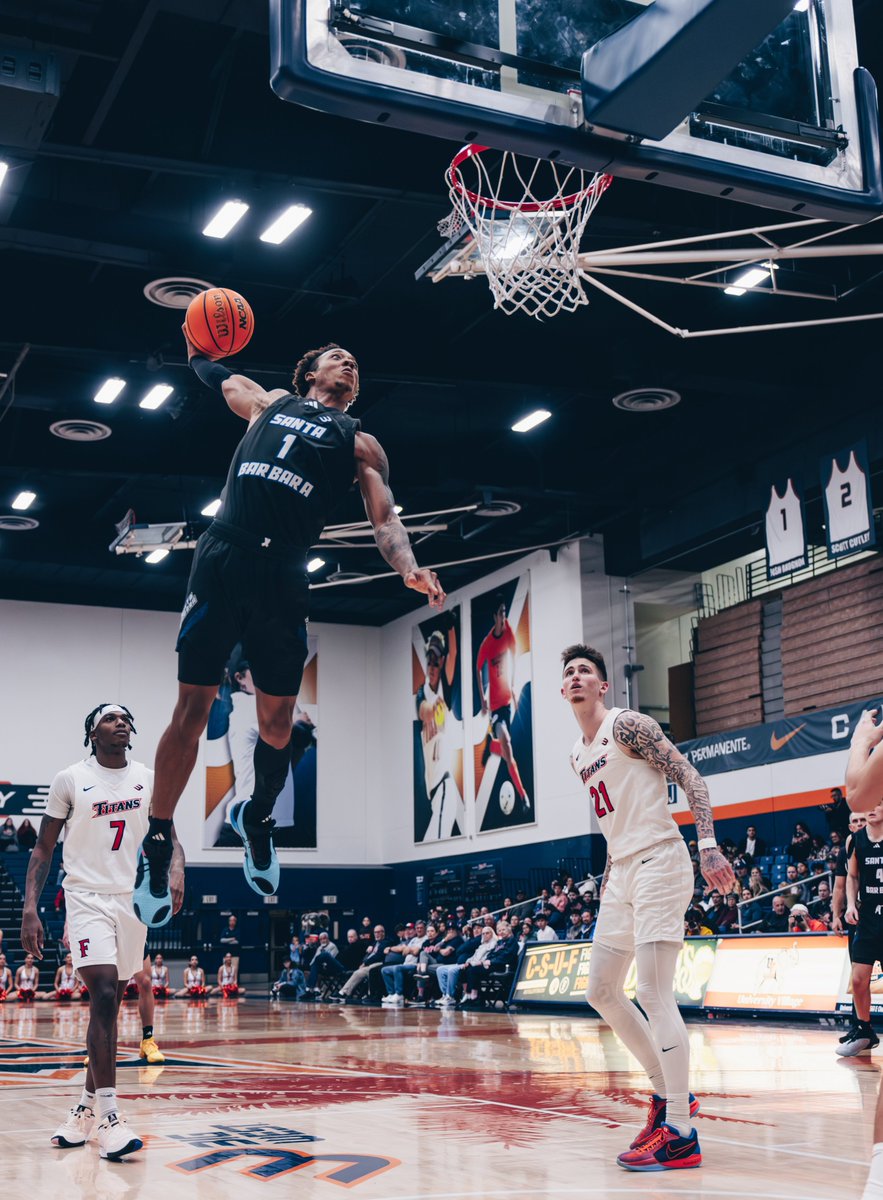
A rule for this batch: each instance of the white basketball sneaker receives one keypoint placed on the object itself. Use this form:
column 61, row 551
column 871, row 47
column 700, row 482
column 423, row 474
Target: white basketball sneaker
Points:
column 76, row 1130
column 115, row 1138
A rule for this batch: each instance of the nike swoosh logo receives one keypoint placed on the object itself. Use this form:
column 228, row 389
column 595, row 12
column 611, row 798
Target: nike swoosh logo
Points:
column 90, row 787
column 690, row 1148
column 646, row 860
column 665, row 1049
column 776, row 743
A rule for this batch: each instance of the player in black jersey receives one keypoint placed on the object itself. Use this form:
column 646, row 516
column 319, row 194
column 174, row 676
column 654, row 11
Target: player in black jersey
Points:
column 248, row 585
column 864, row 909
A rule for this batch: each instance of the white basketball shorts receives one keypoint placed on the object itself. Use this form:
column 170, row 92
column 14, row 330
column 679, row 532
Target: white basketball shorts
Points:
column 102, row 929
column 646, row 897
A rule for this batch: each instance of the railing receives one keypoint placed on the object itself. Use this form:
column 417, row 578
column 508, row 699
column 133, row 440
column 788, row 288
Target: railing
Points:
column 785, row 887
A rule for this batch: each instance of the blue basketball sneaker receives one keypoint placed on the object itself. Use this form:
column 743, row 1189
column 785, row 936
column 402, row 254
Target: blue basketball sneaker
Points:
column 152, row 897
column 261, row 864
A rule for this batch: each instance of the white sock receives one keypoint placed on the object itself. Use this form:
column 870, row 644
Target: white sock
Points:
column 656, row 962
column 87, row 1100
column 874, row 1186
column 607, row 971
column 107, row 1102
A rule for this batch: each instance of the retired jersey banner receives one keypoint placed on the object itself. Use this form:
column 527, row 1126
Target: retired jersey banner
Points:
column 849, row 510
column 436, row 685
column 502, row 721
column 811, row 733
column 785, row 531
column 231, row 736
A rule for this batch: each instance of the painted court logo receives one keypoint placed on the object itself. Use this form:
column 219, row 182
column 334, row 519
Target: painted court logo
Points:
column 270, row 1147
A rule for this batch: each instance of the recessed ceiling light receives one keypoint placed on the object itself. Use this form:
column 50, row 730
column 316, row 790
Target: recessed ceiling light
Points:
column 24, row 500
column 749, row 279
column 286, row 223
column 156, row 556
column 109, row 391
column 315, row 563
column 226, row 218
column 531, row 420
column 156, row 396
column 801, row 6
column 4, row 167
column 212, row 508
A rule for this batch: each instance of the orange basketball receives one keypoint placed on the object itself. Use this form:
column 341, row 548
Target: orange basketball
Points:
column 219, row 322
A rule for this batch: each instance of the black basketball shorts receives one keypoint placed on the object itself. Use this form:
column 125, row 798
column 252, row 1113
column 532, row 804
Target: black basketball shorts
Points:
column 867, row 947
column 244, row 596
column 501, row 718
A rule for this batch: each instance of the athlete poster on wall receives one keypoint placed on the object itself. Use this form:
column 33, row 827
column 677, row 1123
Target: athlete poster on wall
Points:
column 436, row 686
column 229, row 757
column 785, row 531
column 502, row 726
column 849, row 511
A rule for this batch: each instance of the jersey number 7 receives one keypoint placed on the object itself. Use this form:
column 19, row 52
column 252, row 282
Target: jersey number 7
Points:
column 120, row 827
column 599, row 795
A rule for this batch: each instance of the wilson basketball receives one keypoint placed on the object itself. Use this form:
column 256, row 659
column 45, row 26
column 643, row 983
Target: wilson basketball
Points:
column 219, row 322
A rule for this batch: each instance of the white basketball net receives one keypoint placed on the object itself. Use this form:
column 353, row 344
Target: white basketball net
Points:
column 527, row 244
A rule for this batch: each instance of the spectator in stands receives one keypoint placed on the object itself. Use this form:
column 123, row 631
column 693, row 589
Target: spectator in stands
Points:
column 460, row 916
column 366, row 932
column 448, row 973
column 798, row 893
column 558, row 900
column 395, row 978
column 326, row 951
column 694, row 927
column 436, row 954
column 752, row 913
column 8, row 840
column 728, row 920
column 230, row 934
column 757, row 883
column 545, row 932
column 291, row 982
column 575, row 928
column 503, row 957
column 802, row 872
column 375, row 957
column 542, row 901
column 777, row 919
column 474, row 963
column 296, row 952
column 340, row 966
column 588, row 889
column 752, row 846
column 527, row 932
column 228, row 980
column 822, row 898
column 837, row 843
column 715, row 911
column 587, row 925
column 837, row 812
column 6, row 981
column 27, row 836
column 801, row 843
column 799, row 921
column 475, row 915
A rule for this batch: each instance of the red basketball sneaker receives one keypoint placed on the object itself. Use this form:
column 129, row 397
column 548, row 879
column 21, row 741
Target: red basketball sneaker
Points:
column 655, row 1117
column 664, row 1150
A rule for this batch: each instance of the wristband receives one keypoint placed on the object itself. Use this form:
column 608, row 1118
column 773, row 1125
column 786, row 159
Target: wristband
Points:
column 212, row 374
column 706, row 844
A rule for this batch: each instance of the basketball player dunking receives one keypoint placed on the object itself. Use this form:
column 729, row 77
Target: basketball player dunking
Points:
column 624, row 759
column 864, row 784
column 101, row 804
column 248, row 584
column 497, row 652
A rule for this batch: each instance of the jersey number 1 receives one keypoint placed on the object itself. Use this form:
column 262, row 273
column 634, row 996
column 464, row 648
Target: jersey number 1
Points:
column 120, row 828
column 599, row 795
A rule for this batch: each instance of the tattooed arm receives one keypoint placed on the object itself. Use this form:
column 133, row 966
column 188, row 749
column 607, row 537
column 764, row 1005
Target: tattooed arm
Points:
column 38, row 873
column 390, row 534
column 641, row 737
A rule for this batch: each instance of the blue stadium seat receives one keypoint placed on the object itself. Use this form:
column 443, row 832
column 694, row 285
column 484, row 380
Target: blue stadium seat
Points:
column 778, row 874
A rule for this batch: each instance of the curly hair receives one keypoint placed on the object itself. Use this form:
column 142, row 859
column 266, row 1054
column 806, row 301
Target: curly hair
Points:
column 307, row 364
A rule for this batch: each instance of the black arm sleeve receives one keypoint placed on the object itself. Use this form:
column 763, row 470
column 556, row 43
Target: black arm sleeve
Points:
column 212, row 374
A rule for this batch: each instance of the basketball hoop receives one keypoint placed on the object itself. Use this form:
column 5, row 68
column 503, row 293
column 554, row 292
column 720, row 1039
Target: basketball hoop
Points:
column 528, row 246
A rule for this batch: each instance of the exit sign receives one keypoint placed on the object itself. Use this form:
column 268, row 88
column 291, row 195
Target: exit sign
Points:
column 329, row 899
column 271, row 899
column 210, row 899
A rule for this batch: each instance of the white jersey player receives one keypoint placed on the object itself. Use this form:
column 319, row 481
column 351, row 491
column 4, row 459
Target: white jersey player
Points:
column 101, row 804
column 437, row 720
column 623, row 759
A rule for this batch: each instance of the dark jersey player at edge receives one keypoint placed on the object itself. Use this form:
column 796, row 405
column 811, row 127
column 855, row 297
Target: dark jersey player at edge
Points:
column 248, row 584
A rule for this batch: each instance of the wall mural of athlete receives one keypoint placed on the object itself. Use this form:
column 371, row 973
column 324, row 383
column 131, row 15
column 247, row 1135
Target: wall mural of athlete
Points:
column 503, row 728
column 439, row 811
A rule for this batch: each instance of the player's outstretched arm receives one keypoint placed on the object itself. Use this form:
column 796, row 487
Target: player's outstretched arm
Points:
column 176, row 873
column 864, row 771
column 38, row 873
column 244, row 397
column 372, row 468
column 641, row 736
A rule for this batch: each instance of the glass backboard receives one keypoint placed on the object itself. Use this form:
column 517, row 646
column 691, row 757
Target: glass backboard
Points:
column 793, row 126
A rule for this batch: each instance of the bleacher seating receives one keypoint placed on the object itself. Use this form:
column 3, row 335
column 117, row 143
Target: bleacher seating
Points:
column 13, row 871
column 727, row 669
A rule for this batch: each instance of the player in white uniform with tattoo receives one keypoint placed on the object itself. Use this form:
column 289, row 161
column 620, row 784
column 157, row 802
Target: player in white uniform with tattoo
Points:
column 624, row 759
column 102, row 804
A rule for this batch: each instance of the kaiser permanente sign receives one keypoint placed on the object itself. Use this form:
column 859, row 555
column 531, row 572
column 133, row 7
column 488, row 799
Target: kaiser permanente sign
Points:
column 786, row 764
